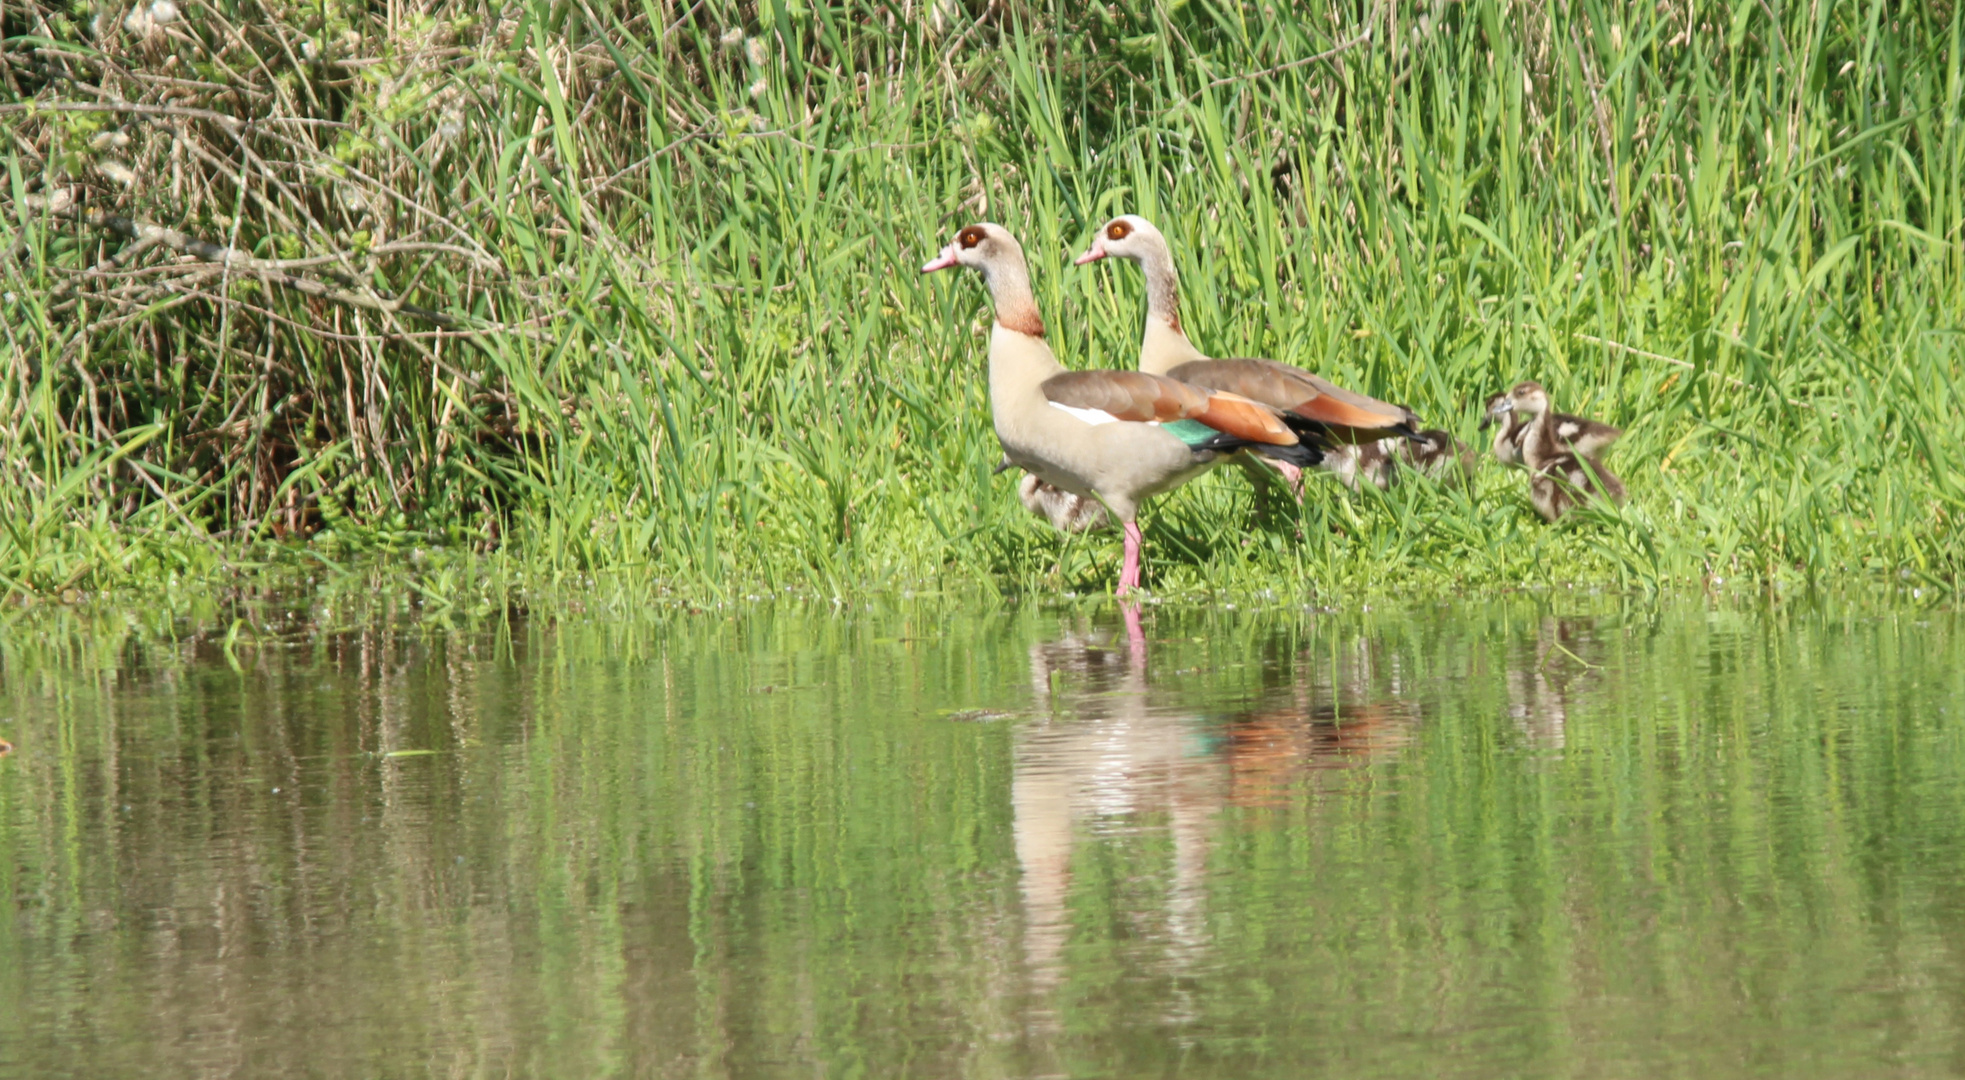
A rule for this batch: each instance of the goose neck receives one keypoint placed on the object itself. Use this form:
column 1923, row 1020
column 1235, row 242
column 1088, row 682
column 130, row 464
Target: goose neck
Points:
column 1009, row 291
column 1165, row 344
column 1018, row 365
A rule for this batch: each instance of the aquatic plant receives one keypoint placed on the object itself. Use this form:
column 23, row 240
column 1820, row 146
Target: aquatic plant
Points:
column 621, row 292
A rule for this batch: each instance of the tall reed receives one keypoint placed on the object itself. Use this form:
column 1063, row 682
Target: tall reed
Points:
column 626, row 290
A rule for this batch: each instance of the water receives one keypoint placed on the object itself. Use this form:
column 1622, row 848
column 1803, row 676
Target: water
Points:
column 1517, row 840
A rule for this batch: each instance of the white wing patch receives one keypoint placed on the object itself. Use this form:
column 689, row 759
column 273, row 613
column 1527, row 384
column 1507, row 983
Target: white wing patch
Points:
column 1094, row 417
column 1586, row 437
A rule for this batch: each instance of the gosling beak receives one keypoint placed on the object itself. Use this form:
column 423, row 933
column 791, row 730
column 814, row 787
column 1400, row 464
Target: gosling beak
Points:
column 1092, row 254
column 940, row 262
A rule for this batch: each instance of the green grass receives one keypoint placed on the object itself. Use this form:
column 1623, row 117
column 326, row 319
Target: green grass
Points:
column 687, row 353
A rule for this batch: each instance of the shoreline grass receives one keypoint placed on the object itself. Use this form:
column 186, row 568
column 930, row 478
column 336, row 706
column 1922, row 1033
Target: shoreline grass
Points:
column 256, row 622
column 671, row 338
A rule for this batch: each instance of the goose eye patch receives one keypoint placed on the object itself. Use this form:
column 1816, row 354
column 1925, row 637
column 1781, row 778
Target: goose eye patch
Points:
column 1118, row 231
column 971, row 237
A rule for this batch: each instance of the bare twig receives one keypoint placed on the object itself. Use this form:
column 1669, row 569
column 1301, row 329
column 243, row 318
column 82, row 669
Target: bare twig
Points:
column 104, row 268
column 1601, row 115
column 231, row 124
column 265, row 270
column 1329, row 54
column 1619, row 346
column 954, row 46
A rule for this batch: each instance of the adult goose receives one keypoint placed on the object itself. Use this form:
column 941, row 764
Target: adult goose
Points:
column 1563, row 453
column 1119, row 437
column 1338, row 417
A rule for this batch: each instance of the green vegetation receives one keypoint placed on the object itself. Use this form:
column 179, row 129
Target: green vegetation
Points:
column 576, row 291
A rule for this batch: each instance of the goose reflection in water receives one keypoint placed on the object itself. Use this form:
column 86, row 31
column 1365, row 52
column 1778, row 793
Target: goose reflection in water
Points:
column 1566, row 663
column 1111, row 752
column 1100, row 753
column 1337, row 713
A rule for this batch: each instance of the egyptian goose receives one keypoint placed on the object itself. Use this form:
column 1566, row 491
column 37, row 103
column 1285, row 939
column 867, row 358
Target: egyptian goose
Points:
column 1558, row 433
column 1436, row 454
column 1338, row 417
column 1371, row 461
column 1066, row 512
column 1566, row 481
column 1120, row 437
column 1432, row 453
column 1513, row 426
column 1562, row 452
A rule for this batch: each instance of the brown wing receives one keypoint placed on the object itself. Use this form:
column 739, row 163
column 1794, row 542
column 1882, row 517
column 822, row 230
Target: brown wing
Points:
column 1138, row 396
column 1432, row 448
column 1273, row 384
column 1589, row 475
column 1128, row 395
column 1352, row 417
column 1585, row 477
column 1245, row 419
column 1587, row 437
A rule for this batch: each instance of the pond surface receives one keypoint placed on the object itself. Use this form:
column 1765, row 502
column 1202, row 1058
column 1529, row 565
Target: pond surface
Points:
column 1544, row 838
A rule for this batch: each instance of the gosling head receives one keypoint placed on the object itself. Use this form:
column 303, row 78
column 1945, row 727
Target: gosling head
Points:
column 1127, row 236
column 1496, row 410
column 1529, row 399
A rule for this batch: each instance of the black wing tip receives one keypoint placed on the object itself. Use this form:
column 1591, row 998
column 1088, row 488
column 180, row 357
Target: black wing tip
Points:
column 1304, row 453
column 1314, row 433
column 1224, row 443
column 1409, row 427
column 1300, row 454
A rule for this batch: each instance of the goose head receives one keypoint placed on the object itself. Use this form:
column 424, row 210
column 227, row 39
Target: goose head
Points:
column 991, row 251
column 985, row 247
column 1164, row 345
column 1127, row 236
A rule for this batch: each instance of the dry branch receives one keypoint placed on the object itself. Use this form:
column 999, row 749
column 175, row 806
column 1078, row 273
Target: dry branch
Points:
column 272, row 272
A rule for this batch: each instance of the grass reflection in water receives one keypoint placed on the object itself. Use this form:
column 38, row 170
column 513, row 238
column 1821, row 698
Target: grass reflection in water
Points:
column 1520, row 839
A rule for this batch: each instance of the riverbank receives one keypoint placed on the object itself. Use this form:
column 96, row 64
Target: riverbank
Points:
column 647, row 314
column 257, row 610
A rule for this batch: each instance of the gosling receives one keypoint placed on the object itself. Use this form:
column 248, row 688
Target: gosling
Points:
column 1431, row 453
column 1563, row 453
column 1572, row 434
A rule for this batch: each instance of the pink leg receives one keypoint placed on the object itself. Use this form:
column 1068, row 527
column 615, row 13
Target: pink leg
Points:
column 1135, row 636
column 1291, row 475
column 1129, row 574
